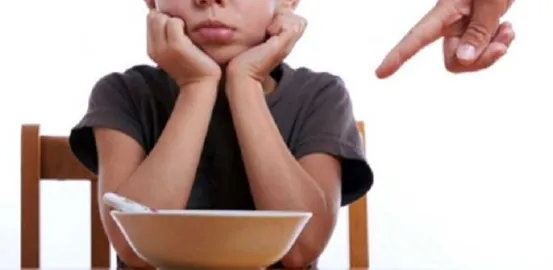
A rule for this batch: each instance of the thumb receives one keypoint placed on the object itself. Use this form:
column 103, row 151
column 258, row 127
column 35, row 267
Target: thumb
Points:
column 484, row 21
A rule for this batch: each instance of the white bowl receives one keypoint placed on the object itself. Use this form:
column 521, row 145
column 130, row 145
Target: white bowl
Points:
column 211, row 238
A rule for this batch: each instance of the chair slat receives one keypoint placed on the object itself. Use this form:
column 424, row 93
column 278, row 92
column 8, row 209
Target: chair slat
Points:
column 58, row 162
column 358, row 225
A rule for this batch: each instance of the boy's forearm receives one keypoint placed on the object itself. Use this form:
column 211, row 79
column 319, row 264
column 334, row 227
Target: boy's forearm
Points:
column 165, row 177
column 277, row 180
column 275, row 176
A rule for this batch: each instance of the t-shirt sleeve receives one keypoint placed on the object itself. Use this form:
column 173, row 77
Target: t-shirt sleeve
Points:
column 111, row 106
column 330, row 127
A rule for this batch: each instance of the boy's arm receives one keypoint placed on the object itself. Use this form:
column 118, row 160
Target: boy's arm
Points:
column 164, row 178
column 280, row 182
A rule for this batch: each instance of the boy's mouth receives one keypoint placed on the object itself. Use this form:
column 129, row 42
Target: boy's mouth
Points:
column 213, row 31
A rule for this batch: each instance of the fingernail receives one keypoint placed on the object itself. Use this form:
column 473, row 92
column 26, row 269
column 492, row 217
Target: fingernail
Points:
column 466, row 52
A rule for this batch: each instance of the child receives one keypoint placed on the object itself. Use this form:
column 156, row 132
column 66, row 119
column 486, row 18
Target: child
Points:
column 222, row 123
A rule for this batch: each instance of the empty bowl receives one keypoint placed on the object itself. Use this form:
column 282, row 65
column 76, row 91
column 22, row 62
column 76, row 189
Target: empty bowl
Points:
column 170, row 239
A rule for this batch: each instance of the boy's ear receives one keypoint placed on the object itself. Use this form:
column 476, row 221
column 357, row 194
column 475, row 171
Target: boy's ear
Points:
column 150, row 3
column 292, row 4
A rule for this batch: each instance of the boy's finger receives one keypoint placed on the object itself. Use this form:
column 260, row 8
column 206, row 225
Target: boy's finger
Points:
column 149, row 34
column 275, row 27
column 175, row 30
column 287, row 5
column 157, row 28
column 296, row 32
column 426, row 31
column 151, row 31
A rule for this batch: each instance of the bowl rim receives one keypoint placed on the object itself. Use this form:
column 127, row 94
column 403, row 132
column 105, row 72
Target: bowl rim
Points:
column 218, row 213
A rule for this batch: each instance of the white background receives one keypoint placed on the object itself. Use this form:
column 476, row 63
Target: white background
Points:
column 462, row 162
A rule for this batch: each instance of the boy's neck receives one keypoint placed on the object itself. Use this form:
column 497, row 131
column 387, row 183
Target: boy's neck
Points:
column 268, row 85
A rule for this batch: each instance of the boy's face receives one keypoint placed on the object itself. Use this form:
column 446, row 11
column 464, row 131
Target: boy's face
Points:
column 223, row 28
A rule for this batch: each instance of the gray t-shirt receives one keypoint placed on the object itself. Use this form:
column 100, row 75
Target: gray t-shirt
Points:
column 312, row 110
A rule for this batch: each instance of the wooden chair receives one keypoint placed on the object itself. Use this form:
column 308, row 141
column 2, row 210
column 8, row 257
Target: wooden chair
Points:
column 50, row 158
column 358, row 226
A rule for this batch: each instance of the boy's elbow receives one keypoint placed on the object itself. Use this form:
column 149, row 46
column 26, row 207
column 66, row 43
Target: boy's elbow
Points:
column 123, row 249
column 131, row 260
column 301, row 256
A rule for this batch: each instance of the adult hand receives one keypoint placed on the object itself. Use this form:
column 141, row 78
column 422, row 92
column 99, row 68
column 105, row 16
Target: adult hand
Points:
column 474, row 39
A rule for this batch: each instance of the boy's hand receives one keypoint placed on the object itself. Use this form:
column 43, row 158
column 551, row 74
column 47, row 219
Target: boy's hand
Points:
column 257, row 63
column 173, row 51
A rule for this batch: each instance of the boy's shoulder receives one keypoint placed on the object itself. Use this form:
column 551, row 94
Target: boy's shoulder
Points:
column 137, row 72
column 307, row 85
column 138, row 79
column 317, row 80
column 140, row 86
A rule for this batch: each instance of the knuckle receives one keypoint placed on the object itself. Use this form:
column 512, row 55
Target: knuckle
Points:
column 300, row 23
column 298, row 26
column 171, row 50
column 512, row 35
column 280, row 54
column 151, row 50
column 161, row 50
column 157, row 55
column 295, row 29
column 478, row 33
column 153, row 17
column 172, row 44
column 149, row 46
column 174, row 50
column 178, row 22
column 172, row 21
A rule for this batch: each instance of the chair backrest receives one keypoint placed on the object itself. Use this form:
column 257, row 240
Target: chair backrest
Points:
column 358, row 226
column 50, row 158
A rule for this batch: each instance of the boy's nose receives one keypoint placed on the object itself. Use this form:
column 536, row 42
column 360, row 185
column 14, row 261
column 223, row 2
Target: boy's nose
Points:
column 211, row 2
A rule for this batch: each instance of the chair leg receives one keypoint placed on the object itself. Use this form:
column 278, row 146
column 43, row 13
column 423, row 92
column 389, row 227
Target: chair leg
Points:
column 100, row 248
column 30, row 196
column 358, row 234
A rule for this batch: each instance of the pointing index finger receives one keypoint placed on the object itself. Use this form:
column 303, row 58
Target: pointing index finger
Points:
column 426, row 31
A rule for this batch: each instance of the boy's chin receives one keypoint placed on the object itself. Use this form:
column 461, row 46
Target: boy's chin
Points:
column 223, row 55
